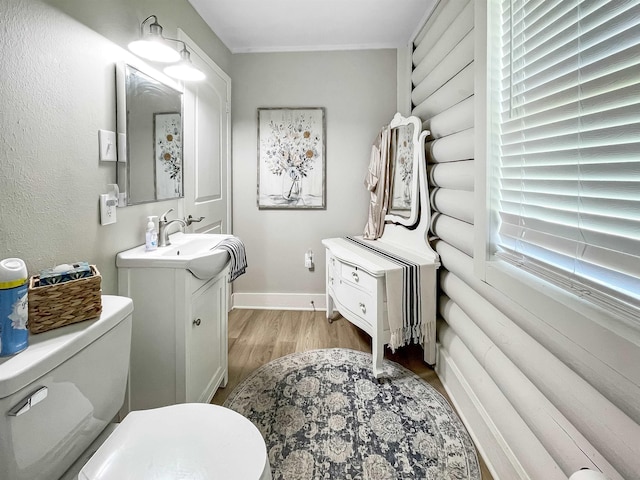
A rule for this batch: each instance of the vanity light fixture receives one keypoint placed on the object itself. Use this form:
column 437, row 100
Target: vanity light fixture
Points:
column 153, row 46
column 184, row 69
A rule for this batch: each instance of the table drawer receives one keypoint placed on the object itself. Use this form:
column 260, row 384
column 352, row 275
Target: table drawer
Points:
column 359, row 277
column 357, row 301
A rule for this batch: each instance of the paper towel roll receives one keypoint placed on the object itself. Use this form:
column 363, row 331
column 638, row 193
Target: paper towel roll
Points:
column 587, row 474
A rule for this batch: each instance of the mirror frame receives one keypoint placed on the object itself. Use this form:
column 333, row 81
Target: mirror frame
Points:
column 418, row 159
column 123, row 164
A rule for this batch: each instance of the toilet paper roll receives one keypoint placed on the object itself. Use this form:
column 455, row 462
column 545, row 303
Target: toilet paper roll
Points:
column 587, row 474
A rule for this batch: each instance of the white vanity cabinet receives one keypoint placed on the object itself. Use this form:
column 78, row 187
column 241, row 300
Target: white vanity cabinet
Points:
column 179, row 336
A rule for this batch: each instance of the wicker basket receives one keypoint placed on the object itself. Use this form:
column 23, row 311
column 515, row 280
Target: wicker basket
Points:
column 53, row 306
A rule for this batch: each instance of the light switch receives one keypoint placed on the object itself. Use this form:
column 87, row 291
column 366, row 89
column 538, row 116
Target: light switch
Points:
column 107, row 142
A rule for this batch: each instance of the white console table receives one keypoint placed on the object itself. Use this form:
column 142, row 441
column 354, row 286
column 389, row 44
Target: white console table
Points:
column 356, row 285
column 360, row 281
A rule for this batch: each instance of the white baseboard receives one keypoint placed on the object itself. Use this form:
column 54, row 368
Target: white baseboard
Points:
column 279, row 301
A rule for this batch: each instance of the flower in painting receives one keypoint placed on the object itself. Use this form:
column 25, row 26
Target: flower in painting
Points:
column 404, row 164
column 169, row 146
column 292, row 146
column 405, row 155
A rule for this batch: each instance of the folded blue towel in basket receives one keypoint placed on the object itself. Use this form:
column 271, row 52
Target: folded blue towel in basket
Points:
column 236, row 250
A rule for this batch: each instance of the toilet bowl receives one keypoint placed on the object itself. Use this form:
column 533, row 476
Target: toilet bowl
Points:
column 58, row 399
column 195, row 441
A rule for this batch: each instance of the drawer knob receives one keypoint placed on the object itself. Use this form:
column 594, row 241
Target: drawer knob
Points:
column 355, row 277
column 363, row 307
column 197, row 322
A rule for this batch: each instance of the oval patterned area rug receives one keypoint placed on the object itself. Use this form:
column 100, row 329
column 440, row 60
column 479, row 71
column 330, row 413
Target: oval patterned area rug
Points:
column 324, row 415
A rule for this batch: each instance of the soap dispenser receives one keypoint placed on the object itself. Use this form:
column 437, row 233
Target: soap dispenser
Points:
column 151, row 234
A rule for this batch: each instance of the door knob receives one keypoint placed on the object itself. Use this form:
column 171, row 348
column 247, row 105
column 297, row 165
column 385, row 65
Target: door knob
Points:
column 191, row 220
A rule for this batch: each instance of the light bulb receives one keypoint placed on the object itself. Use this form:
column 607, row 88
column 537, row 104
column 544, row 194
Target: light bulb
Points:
column 155, row 50
column 184, row 71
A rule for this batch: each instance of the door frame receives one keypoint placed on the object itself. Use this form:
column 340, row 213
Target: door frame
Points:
column 182, row 36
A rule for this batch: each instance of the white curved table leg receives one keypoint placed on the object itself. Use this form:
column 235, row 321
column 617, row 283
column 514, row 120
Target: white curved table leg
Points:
column 328, row 282
column 377, row 348
column 377, row 340
column 330, row 307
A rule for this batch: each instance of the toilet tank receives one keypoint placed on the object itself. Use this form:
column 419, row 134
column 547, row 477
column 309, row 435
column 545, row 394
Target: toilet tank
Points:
column 76, row 378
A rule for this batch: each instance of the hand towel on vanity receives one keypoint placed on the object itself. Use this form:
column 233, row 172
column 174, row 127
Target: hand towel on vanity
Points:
column 236, row 250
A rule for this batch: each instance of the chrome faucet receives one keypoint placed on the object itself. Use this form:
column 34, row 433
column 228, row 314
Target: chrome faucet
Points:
column 163, row 223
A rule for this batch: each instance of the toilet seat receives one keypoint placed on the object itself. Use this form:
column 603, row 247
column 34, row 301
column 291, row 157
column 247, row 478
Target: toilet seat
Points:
column 190, row 441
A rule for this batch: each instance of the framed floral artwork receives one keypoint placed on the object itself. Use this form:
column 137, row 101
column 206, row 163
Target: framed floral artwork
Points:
column 167, row 144
column 402, row 168
column 291, row 158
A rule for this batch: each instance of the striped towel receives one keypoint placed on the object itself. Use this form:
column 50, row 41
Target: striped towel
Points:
column 236, row 250
column 405, row 321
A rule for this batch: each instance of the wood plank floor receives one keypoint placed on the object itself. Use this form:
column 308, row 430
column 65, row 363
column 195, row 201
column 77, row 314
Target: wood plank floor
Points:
column 258, row 336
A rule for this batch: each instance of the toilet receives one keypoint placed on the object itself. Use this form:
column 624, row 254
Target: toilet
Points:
column 58, row 399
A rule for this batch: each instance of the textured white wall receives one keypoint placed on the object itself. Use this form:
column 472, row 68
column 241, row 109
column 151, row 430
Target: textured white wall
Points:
column 57, row 90
column 358, row 91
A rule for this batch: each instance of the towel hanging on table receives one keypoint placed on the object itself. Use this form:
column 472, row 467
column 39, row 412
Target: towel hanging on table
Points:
column 407, row 283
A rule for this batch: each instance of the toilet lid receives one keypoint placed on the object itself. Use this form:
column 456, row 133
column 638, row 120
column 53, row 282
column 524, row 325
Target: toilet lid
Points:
column 187, row 441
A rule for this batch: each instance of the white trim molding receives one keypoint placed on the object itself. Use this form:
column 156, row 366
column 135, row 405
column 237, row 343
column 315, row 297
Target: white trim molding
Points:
column 279, row 301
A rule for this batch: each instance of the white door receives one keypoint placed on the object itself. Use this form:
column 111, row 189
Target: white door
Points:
column 207, row 145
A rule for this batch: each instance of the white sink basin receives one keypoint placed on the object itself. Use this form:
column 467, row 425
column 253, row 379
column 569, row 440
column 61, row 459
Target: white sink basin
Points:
column 195, row 252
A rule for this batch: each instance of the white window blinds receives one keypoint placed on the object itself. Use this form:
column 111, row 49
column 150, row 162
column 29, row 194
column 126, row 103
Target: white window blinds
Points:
column 569, row 139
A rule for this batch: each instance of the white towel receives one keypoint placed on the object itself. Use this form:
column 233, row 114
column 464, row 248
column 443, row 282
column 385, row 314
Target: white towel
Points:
column 236, row 250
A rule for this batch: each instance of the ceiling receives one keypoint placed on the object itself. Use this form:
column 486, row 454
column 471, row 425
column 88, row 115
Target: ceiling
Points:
column 307, row 25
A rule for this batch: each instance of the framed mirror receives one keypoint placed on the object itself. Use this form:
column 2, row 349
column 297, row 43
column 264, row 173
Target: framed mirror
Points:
column 149, row 124
column 404, row 159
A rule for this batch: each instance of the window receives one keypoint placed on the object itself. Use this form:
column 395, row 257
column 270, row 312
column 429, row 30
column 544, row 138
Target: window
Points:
column 566, row 205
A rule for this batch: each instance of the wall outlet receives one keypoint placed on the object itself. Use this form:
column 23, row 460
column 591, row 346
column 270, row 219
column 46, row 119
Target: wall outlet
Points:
column 308, row 259
column 108, row 205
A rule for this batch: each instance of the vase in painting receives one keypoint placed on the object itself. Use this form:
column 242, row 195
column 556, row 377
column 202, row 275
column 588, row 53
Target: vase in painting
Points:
column 291, row 185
